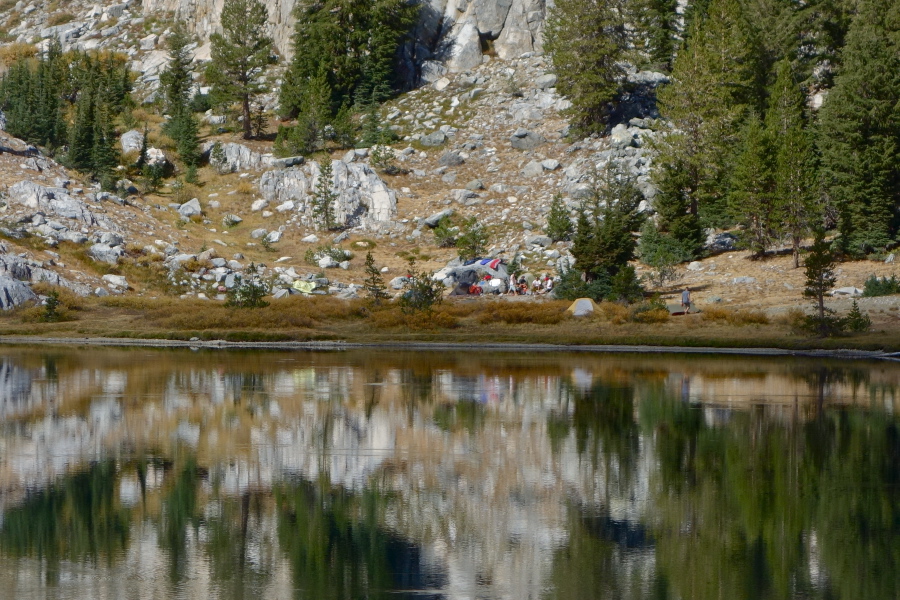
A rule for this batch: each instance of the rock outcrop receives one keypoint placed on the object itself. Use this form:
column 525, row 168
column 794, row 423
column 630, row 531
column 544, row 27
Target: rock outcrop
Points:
column 451, row 34
column 363, row 198
column 56, row 201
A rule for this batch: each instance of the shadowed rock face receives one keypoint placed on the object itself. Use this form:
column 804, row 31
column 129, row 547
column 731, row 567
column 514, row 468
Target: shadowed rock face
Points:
column 450, row 32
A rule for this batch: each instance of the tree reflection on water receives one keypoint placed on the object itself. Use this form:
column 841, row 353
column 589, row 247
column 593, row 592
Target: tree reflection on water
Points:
column 435, row 476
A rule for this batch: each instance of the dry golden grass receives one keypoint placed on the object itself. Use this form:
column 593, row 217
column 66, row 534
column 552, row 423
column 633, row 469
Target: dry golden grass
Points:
column 614, row 313
column 142, row 115
column 60, row 18
column 654, row 315
column 543, row 313
column 391, row 317
column 13, row 53
column 738, row 317
column 245, row 188
column 67, row 298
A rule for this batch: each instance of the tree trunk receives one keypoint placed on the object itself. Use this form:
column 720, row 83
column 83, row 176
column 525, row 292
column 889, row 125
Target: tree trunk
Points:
column 245, row 109
column 796, row 252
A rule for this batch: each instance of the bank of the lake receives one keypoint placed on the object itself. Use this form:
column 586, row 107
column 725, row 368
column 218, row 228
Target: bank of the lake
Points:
column 485, row 323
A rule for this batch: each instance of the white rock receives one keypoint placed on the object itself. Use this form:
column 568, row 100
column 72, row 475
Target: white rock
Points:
column 118, row 281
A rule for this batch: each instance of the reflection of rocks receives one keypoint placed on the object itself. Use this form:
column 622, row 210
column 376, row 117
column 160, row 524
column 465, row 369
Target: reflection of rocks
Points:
column 464, row 452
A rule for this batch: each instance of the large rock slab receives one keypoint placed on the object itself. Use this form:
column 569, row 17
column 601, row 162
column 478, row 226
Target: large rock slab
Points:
column 524, row 139
column 54, row 200
column 239, row 157
column 14, row 293
column 363, row 198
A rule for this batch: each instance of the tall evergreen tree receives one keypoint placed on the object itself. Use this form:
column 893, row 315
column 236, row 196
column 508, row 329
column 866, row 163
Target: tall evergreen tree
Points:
column 717, row 77
column 324, row 196
column 751, row 200
column 177, row 79
column 354, row 42
column 559, row 223
column 605, row 238
column 240, row 55
column 586, row 40
column 794, row 174
column 177, row 82
column 859, row 134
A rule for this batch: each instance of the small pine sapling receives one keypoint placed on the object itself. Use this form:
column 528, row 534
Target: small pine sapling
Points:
column 374, row 282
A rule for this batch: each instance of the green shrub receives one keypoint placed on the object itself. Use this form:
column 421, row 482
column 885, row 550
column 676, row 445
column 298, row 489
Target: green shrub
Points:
column 572, row 287
column 420, row 291
column 881, row 286
column 249, row 292
column 445, row 233
column 857, row 321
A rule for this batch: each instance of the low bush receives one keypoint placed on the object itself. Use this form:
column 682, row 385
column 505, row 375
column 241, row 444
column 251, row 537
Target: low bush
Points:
column 653, row 311
column 881, row 286
column 614, row 313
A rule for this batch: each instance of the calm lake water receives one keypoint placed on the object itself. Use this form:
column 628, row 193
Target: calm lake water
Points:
column 381, row 474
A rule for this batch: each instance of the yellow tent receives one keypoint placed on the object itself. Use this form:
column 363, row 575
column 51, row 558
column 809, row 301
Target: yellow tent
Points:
column 583, row 307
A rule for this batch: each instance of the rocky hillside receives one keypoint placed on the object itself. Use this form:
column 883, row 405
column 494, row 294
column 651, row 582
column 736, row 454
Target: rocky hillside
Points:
column 484, row 135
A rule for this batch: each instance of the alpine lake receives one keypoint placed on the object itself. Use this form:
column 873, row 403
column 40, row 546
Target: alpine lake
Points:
column 147, row 473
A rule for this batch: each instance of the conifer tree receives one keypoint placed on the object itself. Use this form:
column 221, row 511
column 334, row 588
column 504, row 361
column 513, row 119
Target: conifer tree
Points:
column 794, row 174
column 177, row 79
column 586, row 41
column 240, row 55
column 354, row 42
column 717, row 76
column 104, row 157
column 374, row 282
column 81, row 136
column 820, row 279
column 559, row 223
column 751, row 199
column 324, row 197
column 605, row 238
column 677, row 222
column 859, row 134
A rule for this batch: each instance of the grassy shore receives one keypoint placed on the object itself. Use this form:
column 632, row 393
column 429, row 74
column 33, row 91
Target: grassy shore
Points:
column 471, row 321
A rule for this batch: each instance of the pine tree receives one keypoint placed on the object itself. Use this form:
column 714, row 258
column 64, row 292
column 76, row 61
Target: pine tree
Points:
column 586, row 41
column 177, row 79
column 820, row 279
column 677, row 220
column 374, row 282
column 717, row 76
column 859, row 133
column 324, row 197
column 240, row 55
column 354, row 42
column 183, row 128
column 177, row 82
column 81, row 136
column 308, row 135
column 104, row 157
column 605, row 238
column 559, row 223
column 659, row 24
column 145, row 146
column 751, row 199
column 795, row 171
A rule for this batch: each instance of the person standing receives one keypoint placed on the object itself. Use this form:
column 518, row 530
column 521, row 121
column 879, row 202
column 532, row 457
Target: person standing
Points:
column 686, row 300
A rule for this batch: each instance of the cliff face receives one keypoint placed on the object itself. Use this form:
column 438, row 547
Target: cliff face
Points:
column 452, row 35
